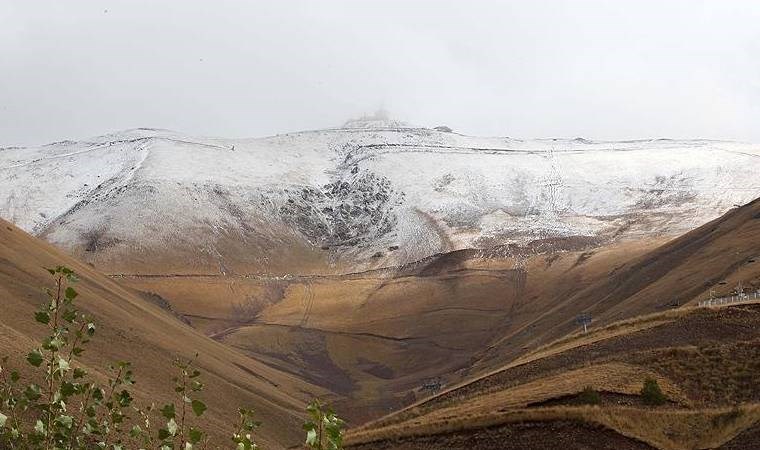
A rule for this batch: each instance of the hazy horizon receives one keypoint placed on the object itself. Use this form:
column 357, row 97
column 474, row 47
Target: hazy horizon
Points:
column 593, row 69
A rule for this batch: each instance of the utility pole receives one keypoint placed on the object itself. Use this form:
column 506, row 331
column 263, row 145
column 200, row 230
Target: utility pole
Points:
column 584, row 320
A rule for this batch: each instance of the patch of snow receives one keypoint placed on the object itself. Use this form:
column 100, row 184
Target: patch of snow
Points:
column 361, row 189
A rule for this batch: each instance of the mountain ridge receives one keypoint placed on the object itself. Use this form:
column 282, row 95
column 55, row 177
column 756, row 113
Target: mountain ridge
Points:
column 342, row 199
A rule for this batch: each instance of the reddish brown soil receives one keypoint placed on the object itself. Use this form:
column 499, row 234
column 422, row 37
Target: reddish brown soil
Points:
column 519, row 436
column 747, row 440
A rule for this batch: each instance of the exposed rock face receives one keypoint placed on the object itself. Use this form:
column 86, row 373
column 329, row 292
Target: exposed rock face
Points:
column 347, row 212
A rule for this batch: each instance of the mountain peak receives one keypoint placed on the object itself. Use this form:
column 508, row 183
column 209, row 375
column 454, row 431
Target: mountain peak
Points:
column 379, row 119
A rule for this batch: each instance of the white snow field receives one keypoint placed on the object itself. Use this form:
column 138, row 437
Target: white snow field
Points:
column 372, row 193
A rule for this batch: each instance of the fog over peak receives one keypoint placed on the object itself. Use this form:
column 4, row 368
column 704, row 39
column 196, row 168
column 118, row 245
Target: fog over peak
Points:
column 598, row 69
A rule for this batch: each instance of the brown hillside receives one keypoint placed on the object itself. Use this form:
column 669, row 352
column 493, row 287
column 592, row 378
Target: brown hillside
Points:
column 375, row 338
column 714, row 257
column 704, row 359
column 133, row 329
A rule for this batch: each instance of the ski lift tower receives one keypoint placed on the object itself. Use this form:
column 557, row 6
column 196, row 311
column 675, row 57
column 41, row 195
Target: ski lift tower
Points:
column 584, row 320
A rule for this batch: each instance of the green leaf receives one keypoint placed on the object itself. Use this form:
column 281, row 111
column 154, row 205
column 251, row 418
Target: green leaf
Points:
column 39, row 427
column 3, row 419
column 311, row 437
column 52, row 343
column 125, row 398
column 69, row 315
column 68, row 389
column 64, row 421
column 171, row 427
column 70, row 293
column 32, row 392
column 34, row 358
column 168, row 411
column 79, row 373
column 63, row 365
column 195, row 435
column 42, row 317
column 198, row 407
column 135, row 431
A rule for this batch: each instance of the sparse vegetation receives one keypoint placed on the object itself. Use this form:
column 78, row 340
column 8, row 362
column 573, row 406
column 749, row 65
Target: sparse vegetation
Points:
column 65, row 407
column 652, row 394
column 727, row 418
column 662, row 429
column 249, row 309
column 589, row 396
column 707, row 388
column 717, row 374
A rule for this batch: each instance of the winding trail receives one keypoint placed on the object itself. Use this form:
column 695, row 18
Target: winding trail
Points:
column 308, row 302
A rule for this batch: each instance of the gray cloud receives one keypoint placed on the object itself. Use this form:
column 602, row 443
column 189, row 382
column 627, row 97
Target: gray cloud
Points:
column 600, row 69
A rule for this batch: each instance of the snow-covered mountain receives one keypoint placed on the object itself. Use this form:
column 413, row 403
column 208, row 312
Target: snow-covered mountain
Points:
column 375, row 192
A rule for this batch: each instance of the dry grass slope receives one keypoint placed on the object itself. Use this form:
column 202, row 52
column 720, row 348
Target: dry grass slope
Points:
column 135, row 330
column 701, row 357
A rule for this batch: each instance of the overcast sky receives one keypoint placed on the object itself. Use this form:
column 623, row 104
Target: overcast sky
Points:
column 597, row 69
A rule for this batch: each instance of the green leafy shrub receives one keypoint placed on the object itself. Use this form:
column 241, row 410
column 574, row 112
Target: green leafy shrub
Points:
column 652, row 394
column 589, row 396
column 325, row 430
column 242, row 437
column 71, row 411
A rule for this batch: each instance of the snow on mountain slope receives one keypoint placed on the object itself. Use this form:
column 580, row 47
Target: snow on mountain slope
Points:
column 372, row 193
